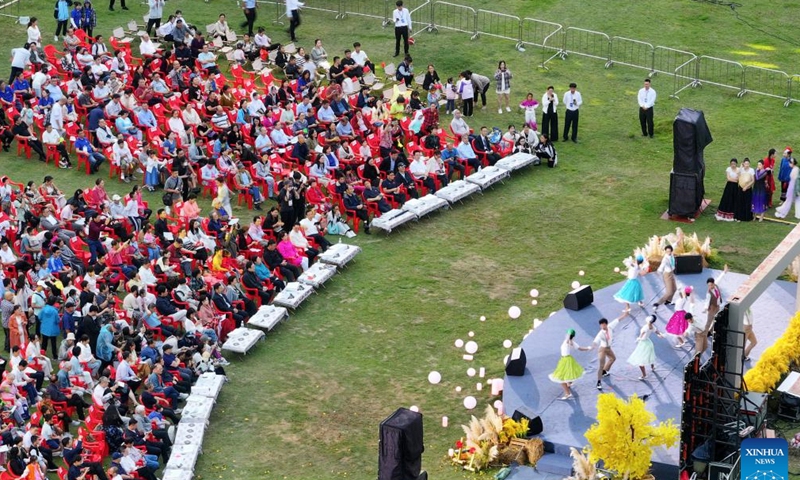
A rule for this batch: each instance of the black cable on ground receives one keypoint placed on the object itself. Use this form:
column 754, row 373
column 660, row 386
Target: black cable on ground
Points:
column 734, row 5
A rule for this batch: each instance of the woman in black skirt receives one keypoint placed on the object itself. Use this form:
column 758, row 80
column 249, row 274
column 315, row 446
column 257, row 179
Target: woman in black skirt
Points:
column 743, row 209
column 728, row 201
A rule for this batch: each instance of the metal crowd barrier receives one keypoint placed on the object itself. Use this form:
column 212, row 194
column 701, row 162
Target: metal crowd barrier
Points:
column 457, row 18
column 536, row 33
column 682, row 73
column 365, row 8
column 667, row 60
column 721, row 73
column 768, row 82
column 794, row 90
column 280, row 10
column 499, row 25
column 586, row 43
column 631, row 53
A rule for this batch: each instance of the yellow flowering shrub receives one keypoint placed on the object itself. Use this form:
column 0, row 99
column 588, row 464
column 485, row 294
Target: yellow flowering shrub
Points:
column 625, row 435
column 774, row 362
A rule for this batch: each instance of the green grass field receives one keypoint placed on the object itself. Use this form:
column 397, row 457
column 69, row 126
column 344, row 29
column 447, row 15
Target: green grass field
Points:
column 306, row 404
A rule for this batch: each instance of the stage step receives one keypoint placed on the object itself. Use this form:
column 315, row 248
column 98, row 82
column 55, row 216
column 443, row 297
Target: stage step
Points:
column 520, row 472
column 554, row 463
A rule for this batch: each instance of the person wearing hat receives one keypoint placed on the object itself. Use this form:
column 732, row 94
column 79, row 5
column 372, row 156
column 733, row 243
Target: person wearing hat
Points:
column 66, row 346
column 568, row 369
column 604, row 340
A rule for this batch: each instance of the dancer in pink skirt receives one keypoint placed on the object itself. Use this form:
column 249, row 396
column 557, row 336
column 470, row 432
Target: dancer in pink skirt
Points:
column 677, row 324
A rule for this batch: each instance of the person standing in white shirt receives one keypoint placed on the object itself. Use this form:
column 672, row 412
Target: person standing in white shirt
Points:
column 402, row 26
column 21, row 58
column 293, row 14
column 154, row 15
column 647, row 99
column 605, row 353
column 572, row 102
column 667, row 271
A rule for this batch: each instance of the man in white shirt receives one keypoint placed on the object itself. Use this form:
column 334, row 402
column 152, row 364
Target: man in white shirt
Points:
column 263, row 142
column 51, row 137
column 278, row 136
column 550, row 114
column 360, row 57
column 39, row 80
column 101, row 91
column 604, row 340
column 155, row 14
column 293, row 14
column 667, row 271
column 325, row 113
column 208, row 60
column 146, row 275
column 401, row 18
column 256, row 107
column 113, row 107
column 572, row 102
column 57, row 115
column 647, row 99
column 104, row 133
column 419, row 169
column 20, row 58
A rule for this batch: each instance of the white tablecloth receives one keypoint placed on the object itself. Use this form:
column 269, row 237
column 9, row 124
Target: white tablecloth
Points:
column 317, row 274
column 241, row 340
column 393, row 219
column 189, row 433
column 208, row 385
column 293, row 295
column 487, row 177
column 457, row 191
column 516, row 161
column 197, row 409
column 339, row 254
column 267, row 317
column 183, row 457
column 425, row 205
column 175, row 474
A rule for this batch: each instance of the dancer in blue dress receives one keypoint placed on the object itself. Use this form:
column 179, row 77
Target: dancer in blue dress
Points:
column 631, row 291
column 645, row 354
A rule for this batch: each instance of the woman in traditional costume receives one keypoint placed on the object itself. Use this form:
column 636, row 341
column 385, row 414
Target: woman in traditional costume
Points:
column 728, row 201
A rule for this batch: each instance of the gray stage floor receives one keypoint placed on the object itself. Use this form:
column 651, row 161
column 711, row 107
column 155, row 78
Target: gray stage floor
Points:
column 566, row 421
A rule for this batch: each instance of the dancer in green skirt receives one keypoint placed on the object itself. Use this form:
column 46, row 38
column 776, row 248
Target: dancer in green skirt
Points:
column 568, row 369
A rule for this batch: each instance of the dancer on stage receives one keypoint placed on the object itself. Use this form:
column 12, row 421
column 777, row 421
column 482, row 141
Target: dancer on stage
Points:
column 631, row 291
column 700, row 334
column 645, row 354
column 604, row 341
column 727, row 203
column 714, row 299
column 667, row 271
column 677, row 323
column 749, row 334
column 568, row 369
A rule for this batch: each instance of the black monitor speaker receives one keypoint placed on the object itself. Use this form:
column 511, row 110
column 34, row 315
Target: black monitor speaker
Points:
column 688, row 264
column 535, row 425
column 515, row 366
column 579, row 298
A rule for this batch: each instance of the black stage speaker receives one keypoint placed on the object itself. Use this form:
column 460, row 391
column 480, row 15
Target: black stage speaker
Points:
column 688, row 264
column 685, row 194
column 535, row 425
column 515, row 366
column 579, row 298
column 400, row 447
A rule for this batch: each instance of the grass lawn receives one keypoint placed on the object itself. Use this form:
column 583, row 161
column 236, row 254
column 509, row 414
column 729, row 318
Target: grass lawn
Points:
column 308, row 401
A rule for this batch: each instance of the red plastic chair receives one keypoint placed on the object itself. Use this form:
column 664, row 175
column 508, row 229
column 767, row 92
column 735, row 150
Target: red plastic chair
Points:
column 23, row 145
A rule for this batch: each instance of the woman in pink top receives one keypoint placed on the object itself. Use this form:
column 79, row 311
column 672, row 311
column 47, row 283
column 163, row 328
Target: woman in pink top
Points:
column 289, row 252
column 191, row 209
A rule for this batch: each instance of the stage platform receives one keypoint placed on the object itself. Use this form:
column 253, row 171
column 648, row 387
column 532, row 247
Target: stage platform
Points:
column 565, row 421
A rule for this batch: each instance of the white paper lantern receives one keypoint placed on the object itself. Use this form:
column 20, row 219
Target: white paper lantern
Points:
column 505, row 359
column 514, row 312
column 551, row 314
column 414, row 408
column 471, row 334
column 534, row 293
column 471, row 347
column 471, row 372
column 534, row 302
column 498, row 404
column 458, row 389
column 507, row 343
column 459, row 343
column 483, row 319
column 526, row 335
column 470, row 402
column 576, row 284
column 536, row 323
column 616, row 269
column 581, row 273
column 434, row 377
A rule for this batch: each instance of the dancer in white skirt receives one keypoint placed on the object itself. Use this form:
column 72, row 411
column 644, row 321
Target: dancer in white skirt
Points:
column 645, row 354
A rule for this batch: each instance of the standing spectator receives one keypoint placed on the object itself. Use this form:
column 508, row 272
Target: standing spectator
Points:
column 250, row 15
column 550, row 114
column 89, row 17
column 467, row 92
column 480, row 85
column 503, row 87
column 572, row 102
column 154, row 16
column 62, row 17
column 122, row 3
column 293, row 14
column 647, row 99
column 20, row 58
column 402, row 26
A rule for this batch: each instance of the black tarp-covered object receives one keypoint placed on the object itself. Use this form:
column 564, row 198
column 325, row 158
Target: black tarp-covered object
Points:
column 400, row 447
column 690, row 135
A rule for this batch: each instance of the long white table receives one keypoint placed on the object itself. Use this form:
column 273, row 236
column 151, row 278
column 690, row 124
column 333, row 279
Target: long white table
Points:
column 268, row 316
column 183, row 457
column 189, row 433
column 293, row 295
column 393, row 219
column 425, row 205
column 339, row 254
column 175, row 474
column 516, row 161
column 457, row 191
column 488, row 176
column 208, row 385
column 317, row 274
column 197, row 409
column 242, row 339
